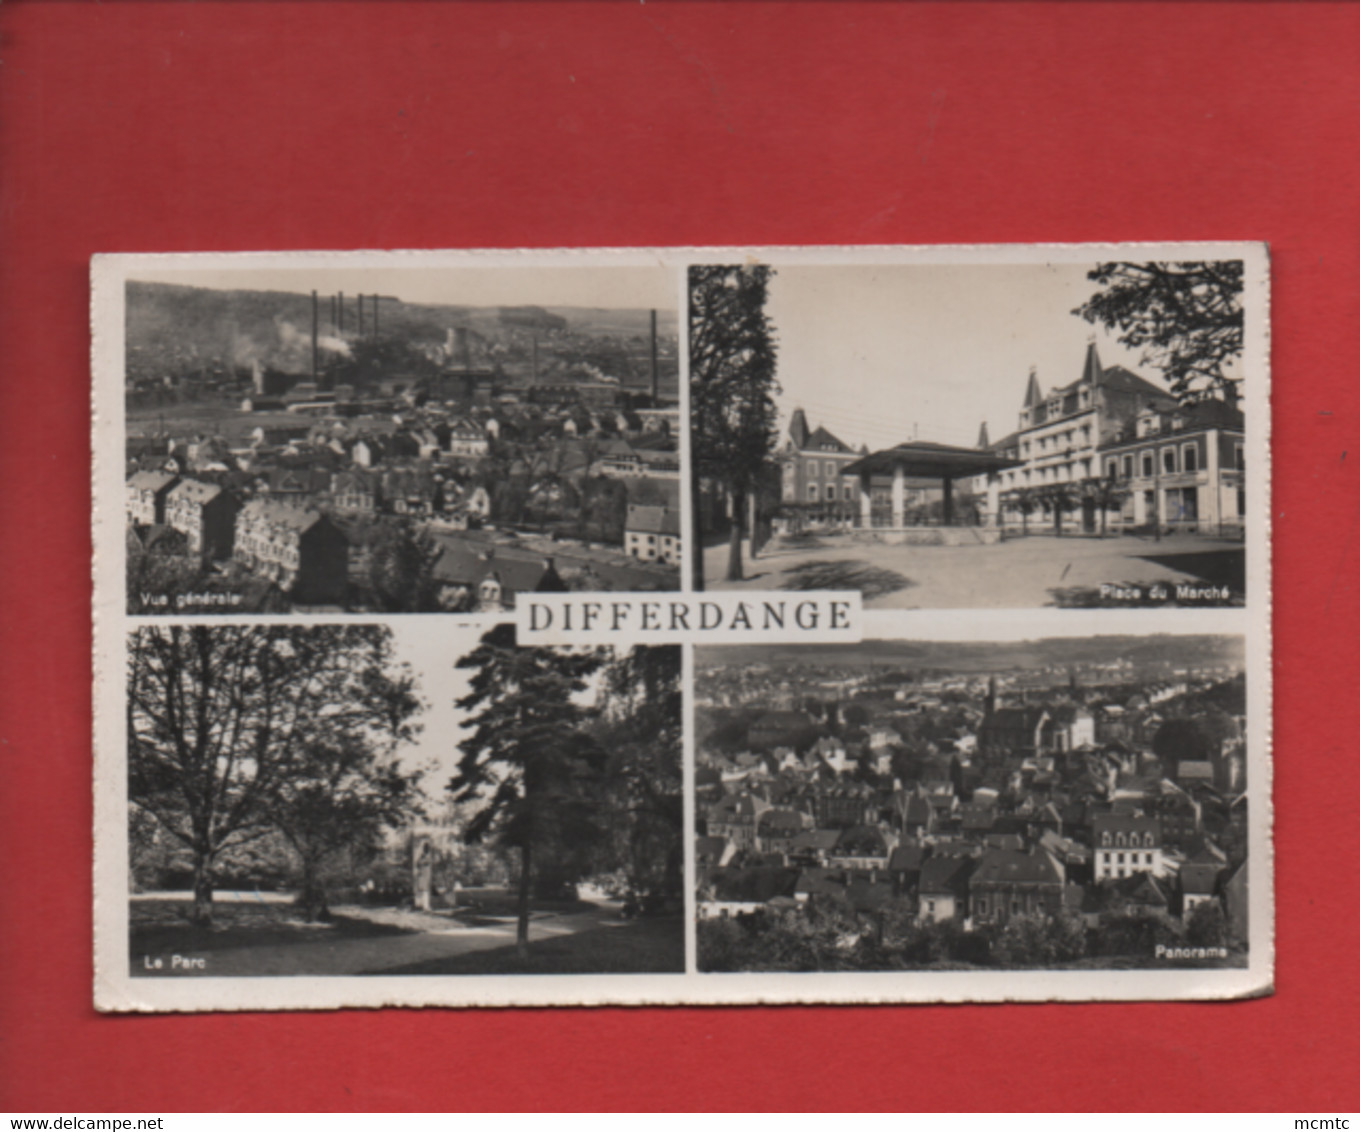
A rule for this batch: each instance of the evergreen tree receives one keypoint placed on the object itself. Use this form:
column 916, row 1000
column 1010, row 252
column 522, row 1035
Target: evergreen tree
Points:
column 732, row 388
column 529, row 770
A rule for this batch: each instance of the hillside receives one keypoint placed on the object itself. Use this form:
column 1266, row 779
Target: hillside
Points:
column 175, row 329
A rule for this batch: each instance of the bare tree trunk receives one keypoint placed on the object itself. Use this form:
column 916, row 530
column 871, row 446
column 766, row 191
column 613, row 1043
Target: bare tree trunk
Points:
column 752, row 524
column 734, row 573
column 202, row 912
column 313, row 895
column 525, row 887
column 696, row 533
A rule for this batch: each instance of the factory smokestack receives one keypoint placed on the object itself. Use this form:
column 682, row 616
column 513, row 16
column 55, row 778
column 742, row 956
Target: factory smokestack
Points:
column 655, row 390
column 340, row 307
column 361, row 314
column 375, row 316
column 316, row 315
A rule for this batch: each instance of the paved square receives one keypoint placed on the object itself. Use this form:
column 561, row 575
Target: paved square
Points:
column 1033, row 571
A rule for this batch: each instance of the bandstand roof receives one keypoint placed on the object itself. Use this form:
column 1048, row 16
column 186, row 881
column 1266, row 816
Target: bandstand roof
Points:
column 925, row 458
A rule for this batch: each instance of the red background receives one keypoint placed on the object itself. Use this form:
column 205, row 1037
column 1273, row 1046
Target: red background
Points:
column 189, row 127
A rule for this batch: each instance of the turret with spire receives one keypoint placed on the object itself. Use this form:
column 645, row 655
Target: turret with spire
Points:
column 798, row 429
column 983, row 441
column 1033, row 395
column 1090, row 375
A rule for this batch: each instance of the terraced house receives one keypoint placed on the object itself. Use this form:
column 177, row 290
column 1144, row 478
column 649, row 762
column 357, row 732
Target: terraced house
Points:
column 206, row 514
column 298, row 549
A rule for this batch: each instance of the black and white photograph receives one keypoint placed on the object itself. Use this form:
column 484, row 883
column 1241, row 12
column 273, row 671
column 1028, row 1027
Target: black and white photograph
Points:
column 975, row 435
column 397, row 439
column 1055, row 803
column 951, row 690
column 351, row 800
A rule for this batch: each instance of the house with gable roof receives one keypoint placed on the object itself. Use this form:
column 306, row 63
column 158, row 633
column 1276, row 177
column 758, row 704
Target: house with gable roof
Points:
column 812, row 471
column 652, row 534
column 206, row 515
column 146, row 495
column 298, row 549
column 1010, row 882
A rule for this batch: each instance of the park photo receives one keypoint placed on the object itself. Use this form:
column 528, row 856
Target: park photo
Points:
column 975, row 435
column 375, row 800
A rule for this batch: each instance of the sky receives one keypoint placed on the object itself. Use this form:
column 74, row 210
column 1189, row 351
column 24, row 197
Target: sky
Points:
column 613, row 287
column 884, row 354
column 432, row 647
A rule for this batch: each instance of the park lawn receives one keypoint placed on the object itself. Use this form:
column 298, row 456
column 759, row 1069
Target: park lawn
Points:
column 504, row 902
column 161, row 926
column 648, row 946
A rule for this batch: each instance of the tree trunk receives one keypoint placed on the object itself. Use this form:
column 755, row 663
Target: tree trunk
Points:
column 202, row 912
column 525, row 887
column 313, row 894
column 1057, row 520
column 734, row 540
column 696, row 533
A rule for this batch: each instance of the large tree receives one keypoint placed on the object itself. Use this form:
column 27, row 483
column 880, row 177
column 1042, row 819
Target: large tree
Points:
column 342, row 794
column 1185, row 317
column 530, row 770
column 401, row 562
column 642, row 731
column 732, row 388
column 219, row 718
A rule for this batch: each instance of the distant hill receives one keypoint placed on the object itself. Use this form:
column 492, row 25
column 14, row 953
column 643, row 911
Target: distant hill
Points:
column 965, row 657
column 180, row 324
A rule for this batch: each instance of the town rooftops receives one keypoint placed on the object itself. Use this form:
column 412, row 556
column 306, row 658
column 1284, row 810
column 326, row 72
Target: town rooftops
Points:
column 1115, row 824
column 647, row 519
column 1008, row 866
column 1199, row 879
column 862, row 841
column 281, row 514
column 196, row 491
column 945, row 875
column 1028, row 718
column 816, row 840
column 782, row 719
column 754, row 885
column 773, row 822
column 824, row 441
column 151, row 481
column 733, row 807
column 906, row 859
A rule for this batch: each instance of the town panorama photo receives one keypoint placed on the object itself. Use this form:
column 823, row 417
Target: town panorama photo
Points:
column 400, row 440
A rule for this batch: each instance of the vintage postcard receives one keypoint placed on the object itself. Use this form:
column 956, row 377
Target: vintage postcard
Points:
column 662, row 626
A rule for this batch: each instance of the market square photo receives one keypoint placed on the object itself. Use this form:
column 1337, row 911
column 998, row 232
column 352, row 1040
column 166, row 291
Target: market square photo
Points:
column 980, row 434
